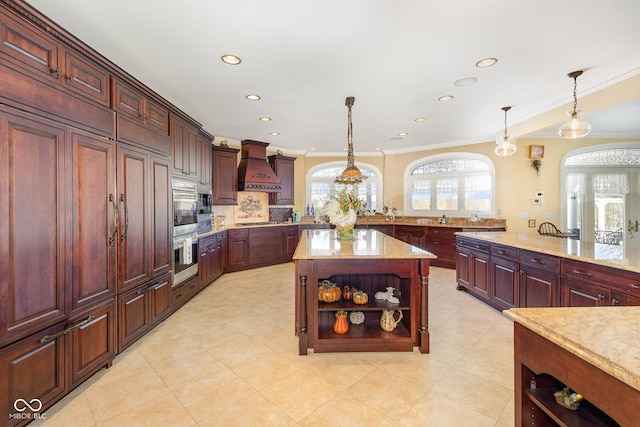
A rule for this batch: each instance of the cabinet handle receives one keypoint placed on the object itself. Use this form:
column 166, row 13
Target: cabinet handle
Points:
column 502, row 252
column 203, row 254
column 634, row 286
column 600, row 297
column 142, row 291
column 55, row 71
column 126, row 218
column 112, row 239
column 71, row 78
column 584, row 273
column 48, row 338
column 538, row 261
column 615, row 302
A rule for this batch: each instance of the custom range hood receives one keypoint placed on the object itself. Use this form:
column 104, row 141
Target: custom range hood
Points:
column 254, row 172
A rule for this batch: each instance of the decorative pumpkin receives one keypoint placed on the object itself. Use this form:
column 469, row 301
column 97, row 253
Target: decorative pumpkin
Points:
column 347, row 293
column 341, row 326
column 360, row 297
column 329, row 292
column 356, row 317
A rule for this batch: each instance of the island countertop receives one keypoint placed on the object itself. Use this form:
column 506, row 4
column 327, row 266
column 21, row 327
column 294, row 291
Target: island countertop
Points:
column 596, row 253
column 316, row 244
column 606, row 337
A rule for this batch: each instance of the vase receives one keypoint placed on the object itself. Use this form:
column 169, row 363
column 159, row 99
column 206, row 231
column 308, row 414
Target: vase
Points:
column 345, row 232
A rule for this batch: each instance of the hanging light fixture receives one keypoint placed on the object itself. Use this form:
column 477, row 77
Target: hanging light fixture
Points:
column 575, row 127
column 351, row 175
column 505, row 146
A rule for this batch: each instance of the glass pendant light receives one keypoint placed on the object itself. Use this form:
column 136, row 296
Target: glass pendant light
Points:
column 575, row 127
column 505, row 146
column 351, row 175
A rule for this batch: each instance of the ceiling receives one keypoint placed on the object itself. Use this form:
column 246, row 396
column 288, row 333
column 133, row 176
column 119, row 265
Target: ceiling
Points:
column 395, row 57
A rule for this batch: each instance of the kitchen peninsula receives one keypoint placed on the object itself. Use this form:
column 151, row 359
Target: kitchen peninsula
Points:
column 372, row 262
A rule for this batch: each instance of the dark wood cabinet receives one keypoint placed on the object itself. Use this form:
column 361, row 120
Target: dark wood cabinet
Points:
column 473, row 274
column 212, row 258
column 33, row 174
column 413, row 235
column 539, row 280
column 142, row 308
column 441, row 241
column 261, row 246
column 284, row 169
column 238, row 250
column 504, row 277
column 186, row 149
column 204, row 161
column 224, row 181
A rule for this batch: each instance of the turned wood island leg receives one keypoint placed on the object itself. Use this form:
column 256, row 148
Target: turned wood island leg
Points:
column 424, row 306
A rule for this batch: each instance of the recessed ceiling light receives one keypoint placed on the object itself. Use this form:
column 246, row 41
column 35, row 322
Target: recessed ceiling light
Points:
column 274, row 133
column 486, row 62
column 231, row 59
column 253, row 97
column 265, row 119
column 421, row 119
column 445, row 98
column 466, row 81
column 403, row 134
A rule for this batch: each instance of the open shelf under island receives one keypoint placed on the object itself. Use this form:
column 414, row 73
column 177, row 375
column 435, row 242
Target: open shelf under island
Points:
column 372, row 262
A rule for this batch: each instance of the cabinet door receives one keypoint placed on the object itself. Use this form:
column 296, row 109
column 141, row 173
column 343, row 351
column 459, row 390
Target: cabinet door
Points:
column 505, row 283
column 224, row 181
column 283, row 167
column 86, row 78
column 132, row 201
column 92, row 342
column 156, row 117
column 160, row 205
column 580, row 294
column 621, row 298
column 94, row 208
column 127, row 100
column 31, row 370
column 204, row 160
column 159, row 294
column 178, row 138
column 34, row 188
column 192, row 152
column 480, row 274
column 538, row 288
column 290, row 241
column 133, row 317
column 238, row 249
column 463, row 271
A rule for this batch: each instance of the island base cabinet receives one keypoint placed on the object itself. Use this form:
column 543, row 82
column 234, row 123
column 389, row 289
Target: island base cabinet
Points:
column 607, row 400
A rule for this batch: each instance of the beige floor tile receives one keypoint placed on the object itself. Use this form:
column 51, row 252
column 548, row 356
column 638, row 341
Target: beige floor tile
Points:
column 230, row 357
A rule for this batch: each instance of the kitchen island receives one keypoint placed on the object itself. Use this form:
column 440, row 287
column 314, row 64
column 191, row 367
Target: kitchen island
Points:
column 372, row 262
column 593, row 351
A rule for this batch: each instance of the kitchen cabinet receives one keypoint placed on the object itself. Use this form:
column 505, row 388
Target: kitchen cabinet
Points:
column 44, row 76
column 204, row 161
column 441, row 241
column 504, row 277
column 224, row 181
column 142, row 308
column 212, row 258
column 260, row 246
column 539, row 280
column 186, row 149
column 141, row 120
column 238, row 250
column 284, row 169
column 473, row 273
column 413, row 235
column 181, row 294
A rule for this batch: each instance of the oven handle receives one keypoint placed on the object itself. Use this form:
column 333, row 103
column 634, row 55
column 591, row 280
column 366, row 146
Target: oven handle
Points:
column 185, row 196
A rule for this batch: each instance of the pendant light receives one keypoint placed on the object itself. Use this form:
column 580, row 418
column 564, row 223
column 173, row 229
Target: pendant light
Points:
column 575, row 127
column 505, row 146
column 351, row 175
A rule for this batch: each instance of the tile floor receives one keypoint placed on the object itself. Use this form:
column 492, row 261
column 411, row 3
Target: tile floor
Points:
column 230, row 358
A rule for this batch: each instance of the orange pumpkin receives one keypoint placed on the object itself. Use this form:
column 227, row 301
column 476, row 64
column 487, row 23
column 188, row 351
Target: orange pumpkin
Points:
column 341, row 326
column 329, row 292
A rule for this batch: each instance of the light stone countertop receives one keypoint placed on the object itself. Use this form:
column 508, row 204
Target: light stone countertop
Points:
column 606, row 337
column 596, row 253
column 367, row 244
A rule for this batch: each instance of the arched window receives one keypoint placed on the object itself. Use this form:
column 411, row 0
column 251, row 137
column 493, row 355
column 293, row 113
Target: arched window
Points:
column 320, row 184
column 455, row 184
column 600, row 190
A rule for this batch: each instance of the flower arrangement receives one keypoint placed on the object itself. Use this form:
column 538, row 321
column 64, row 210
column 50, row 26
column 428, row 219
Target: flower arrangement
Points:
column 341, row 210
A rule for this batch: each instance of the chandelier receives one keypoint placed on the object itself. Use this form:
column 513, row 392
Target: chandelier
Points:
column 351, row 175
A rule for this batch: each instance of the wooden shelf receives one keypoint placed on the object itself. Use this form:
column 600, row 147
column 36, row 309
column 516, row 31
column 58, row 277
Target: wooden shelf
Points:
column 372, row 305
column 585, row 415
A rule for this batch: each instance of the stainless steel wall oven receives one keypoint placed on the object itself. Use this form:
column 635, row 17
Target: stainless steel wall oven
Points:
column 185, row 237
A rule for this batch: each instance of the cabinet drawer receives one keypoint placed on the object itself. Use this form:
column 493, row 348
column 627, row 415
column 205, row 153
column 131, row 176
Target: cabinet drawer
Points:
column 473, row 244
column 598, row 275
column 505, row 252
column 266, row 236
column 537, row 260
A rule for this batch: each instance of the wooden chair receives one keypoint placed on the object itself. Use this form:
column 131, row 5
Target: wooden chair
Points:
column 548, row 229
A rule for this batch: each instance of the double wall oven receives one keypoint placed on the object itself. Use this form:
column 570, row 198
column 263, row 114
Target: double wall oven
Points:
column 185, row 236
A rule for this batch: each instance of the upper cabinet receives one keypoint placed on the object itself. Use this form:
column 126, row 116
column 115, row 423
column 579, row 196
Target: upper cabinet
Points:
column 225, row 175
column 186, row 146
column 284, row 169
column 204, row 160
